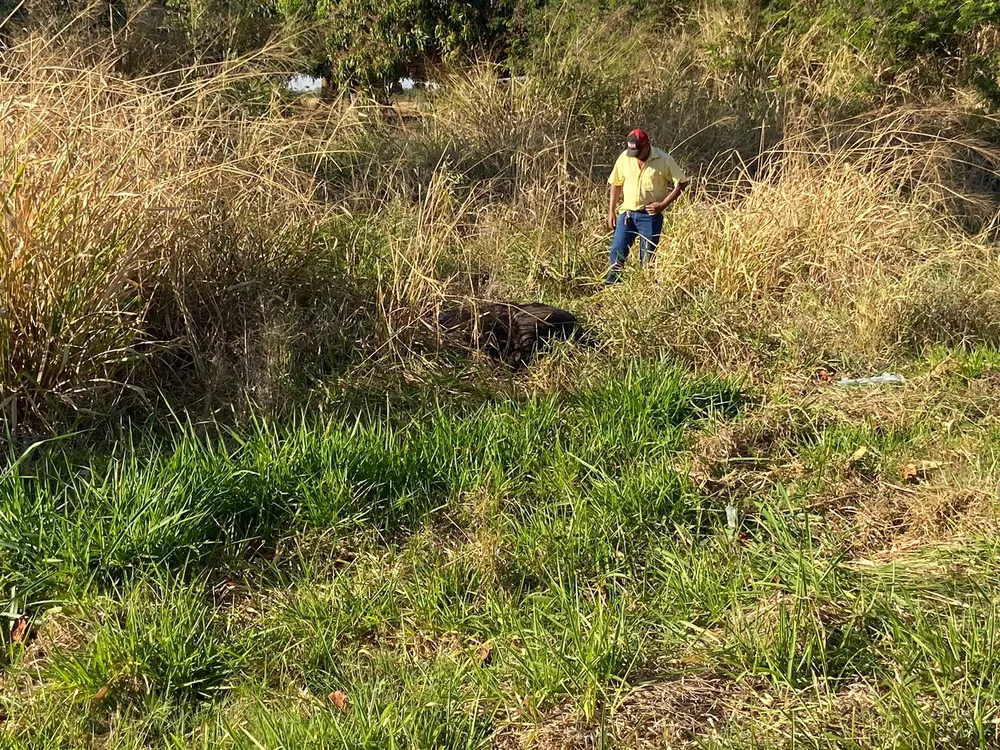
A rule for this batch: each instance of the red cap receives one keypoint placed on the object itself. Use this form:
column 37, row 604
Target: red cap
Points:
column 636, row 142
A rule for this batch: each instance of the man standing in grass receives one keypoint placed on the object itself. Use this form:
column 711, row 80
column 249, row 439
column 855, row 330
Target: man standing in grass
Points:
column 644, row 182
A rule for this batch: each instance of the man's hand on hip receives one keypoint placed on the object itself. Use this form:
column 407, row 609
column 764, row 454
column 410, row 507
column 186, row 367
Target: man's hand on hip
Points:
column 654, row 208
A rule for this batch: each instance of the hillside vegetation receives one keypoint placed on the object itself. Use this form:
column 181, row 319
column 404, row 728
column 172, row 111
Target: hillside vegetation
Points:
column 250, row 500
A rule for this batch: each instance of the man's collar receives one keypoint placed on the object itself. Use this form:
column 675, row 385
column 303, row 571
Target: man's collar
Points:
column 654, row 153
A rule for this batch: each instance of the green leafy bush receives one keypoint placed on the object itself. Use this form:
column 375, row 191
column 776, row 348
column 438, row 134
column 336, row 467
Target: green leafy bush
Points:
column 900, row 30
column 369, row 45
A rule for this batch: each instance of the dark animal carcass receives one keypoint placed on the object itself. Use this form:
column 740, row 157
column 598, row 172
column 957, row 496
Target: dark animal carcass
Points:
column 508, row 331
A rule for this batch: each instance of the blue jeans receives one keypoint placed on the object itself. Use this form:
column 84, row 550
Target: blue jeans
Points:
column 630, row 225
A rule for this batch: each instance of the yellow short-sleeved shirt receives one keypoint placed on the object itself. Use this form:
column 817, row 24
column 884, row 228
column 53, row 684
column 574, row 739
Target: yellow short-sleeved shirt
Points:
column 648, row 184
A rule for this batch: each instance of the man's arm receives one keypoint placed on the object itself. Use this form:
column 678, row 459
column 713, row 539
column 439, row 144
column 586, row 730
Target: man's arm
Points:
column 658, row 208
column 616, row 198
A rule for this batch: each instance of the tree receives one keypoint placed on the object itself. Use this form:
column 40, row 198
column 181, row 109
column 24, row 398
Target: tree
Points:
column 366, row 44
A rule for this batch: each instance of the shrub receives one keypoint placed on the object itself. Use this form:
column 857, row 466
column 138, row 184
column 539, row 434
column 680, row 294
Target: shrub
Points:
column 941, row 36
column 364, row 45
column 137, row 219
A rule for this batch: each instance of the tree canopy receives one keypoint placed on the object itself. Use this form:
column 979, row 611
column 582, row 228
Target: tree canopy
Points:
column 364, row 44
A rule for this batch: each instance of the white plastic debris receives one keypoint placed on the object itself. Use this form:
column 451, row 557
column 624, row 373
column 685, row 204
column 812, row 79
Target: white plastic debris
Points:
column 885, row 377
column 731, row 516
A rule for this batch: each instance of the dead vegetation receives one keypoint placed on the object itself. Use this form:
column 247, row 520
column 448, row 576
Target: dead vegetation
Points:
column 890, row 469
column 689, row 712
column 154, row 221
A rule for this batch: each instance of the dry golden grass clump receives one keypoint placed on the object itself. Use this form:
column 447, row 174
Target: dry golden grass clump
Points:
column 861, row 241
column 132, row 209
column 835, row 228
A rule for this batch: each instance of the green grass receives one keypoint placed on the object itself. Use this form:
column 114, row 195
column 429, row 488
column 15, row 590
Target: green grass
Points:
column 568, row 495
column 463, row 573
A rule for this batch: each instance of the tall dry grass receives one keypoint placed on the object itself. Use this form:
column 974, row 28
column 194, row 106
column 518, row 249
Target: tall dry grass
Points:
column 138, row 214
column 855, row 241
column 213, row 226
column 844, row 232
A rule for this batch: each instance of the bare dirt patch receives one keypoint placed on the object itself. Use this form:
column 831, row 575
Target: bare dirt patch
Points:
column 690, row 711
column 675, row 713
